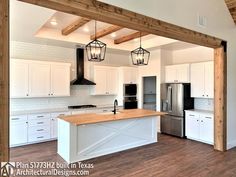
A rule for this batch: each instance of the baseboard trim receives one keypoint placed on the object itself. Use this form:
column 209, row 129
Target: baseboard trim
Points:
column 231, row 144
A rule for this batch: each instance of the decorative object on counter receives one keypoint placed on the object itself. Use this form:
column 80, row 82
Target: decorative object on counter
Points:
column 96, row 49
column 140, row 56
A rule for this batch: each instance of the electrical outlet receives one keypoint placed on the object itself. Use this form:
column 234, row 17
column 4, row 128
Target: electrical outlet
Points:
column 201, row 21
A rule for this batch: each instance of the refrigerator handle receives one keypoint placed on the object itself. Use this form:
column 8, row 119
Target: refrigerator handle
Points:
column 169, row 98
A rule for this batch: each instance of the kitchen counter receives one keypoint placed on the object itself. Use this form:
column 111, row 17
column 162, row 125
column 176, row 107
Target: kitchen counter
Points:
column 201, row 111
column 86, row 136
column 52, row 110
column 81, row 119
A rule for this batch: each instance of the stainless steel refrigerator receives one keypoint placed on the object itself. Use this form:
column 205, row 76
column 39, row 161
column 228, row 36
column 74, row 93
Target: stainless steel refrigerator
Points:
column 175, row 98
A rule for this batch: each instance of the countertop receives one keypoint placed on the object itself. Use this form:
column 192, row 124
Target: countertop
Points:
column 51, row 110
column 201, row 111
column 81, row 119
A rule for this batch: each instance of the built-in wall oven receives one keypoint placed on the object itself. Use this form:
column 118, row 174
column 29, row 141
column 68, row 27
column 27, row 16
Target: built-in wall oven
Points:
column 130, row 96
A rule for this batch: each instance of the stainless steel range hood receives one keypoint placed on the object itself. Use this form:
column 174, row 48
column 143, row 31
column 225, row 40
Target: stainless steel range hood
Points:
column 80, row 80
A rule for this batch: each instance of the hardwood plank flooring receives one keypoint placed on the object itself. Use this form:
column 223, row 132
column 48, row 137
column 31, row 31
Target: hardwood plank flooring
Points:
column 170, row 157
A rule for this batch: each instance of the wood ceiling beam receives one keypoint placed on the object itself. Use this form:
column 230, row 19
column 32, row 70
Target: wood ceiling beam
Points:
column 100, row 11
column 106, row 31
column 74, row 26
column 129, row 37
column 231, row 4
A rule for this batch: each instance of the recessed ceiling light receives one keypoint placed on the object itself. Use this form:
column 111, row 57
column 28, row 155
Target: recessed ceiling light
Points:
column 113, row 35
column 53, row 22
column 86, row 29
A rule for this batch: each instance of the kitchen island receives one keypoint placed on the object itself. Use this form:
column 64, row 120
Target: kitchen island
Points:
column 85, row 136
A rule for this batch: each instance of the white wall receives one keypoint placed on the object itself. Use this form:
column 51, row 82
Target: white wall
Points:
column 79, row 94
column 152, row 69
column 192, row 55
column 219, row 24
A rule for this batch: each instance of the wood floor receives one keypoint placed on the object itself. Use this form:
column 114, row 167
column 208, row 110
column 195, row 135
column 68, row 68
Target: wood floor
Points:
column 170, row 157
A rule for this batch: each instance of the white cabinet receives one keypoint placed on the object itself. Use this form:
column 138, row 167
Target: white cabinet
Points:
column 202, row 80
column 106, row 79
column 177, row 73
column 18, row 130
column 19, row 77
column 128, row 75
column 53, row 123
column 38, row 127
column 60, row 80
column 200, row 126
column 39, row 79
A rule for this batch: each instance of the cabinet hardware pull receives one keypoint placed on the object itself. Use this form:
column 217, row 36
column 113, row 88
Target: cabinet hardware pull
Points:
column 40, row 137
column 15, row 118
column 40, row 130
column 201, row 120
column 197, row 120
column 191, row 115
column 39, row 122
column 27, row 94
column 49, row 94
column 61, row 114
column 208, row 117
column 40, row 116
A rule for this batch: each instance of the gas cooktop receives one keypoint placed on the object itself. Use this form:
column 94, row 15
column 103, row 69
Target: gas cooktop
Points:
column 82, row 106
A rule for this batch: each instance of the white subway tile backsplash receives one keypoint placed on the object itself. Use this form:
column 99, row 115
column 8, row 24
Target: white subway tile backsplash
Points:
column 204, row 104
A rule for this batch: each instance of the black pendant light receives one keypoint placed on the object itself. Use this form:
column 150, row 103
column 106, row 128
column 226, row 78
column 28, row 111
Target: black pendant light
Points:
column 140, row 56
column 96, row 49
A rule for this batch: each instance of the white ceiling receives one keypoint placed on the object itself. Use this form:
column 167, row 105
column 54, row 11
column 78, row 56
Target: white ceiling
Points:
column 30, row 23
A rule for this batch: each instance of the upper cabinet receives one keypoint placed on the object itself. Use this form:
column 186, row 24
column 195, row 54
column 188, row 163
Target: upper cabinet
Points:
column 106, row 79
column 19, row 78
column 39, row 79
column 177, row 73
column 128, row 75
column 202, row 80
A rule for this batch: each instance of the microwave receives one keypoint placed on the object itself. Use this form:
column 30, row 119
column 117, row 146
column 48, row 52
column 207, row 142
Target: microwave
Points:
column 130, row 89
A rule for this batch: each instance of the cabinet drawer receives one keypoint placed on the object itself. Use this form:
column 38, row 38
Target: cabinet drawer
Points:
column 39, row 116
column 42, row 122
column 39, row 137
column 21, row 118
column 56, row 114
column 191, row 114
column 38, row 129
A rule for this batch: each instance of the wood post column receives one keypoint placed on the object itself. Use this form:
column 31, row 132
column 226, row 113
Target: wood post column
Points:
column 220, row 125
column 4, row 80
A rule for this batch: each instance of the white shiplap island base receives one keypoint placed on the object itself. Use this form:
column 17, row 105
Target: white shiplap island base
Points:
column 77, row 142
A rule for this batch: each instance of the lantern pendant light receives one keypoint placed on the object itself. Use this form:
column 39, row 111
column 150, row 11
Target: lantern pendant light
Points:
column 96, row 49
column 140, row 56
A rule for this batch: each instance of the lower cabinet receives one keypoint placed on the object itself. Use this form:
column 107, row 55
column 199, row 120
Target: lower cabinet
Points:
column 33, row 128
column 53, row 123
column 200, row 126
column 18, row 130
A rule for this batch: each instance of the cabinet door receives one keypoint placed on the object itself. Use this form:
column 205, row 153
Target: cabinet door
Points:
column 19, row 76
column 192, row 126
column 112, row 81
column 100, row 75
column 54, row 128
column 182, row 73
column 60, row 80
column 197, row 80
column 170, row 74
column 39, row 80
column 129, row 75
column 209, row 79
column 18, row 133
column 207, row 129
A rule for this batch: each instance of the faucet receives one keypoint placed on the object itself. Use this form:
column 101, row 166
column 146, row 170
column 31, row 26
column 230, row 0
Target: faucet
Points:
column 115, row 104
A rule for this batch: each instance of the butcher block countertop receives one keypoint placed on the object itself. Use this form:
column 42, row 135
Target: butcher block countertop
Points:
column 81, row 119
